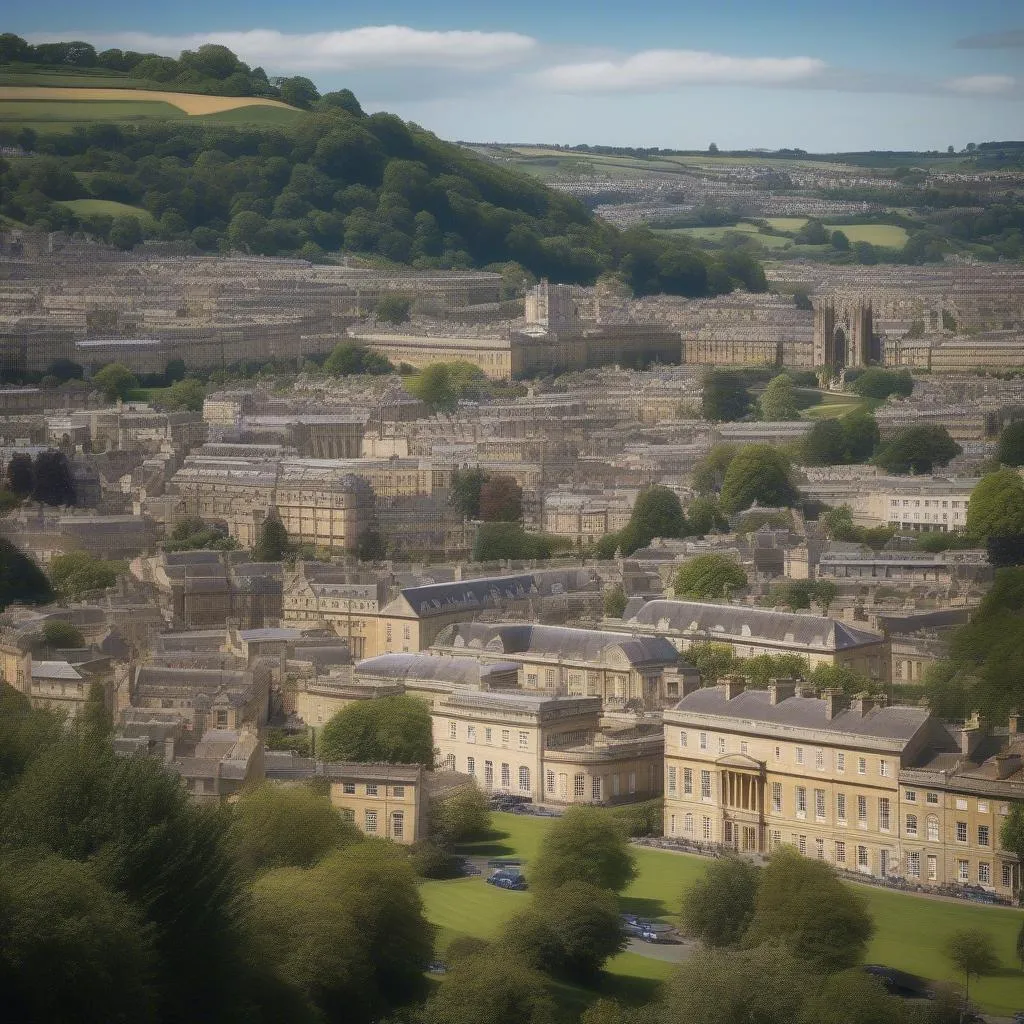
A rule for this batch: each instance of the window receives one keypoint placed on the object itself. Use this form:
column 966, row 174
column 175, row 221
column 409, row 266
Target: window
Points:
column 841, row 806
column 371, row 789
column 632, row 782
column 819, row 804
column 688, row 824
column 840, row 761
column 862, row 811
column 682, row 738
column 961, row 831
column 961, row 803
column 933, row 829
column 774, row 839
column 703, row 741
column 1007, row 876
column 778, row 753
column 370, row 821
column 933, row 867
column 931, row 798
column 798, row 753
column 504, row 737
column 863, row 860
column 819, row 849
column 471, row 766
column 524, row 740
column 397, row 824
column 348, row 787
column 983, row 807
column 910, row 796
column 914, row 865
column 471, row 734
column 595, row 788
column 801, row 802
column 506, row 776
column 911, row 828
column 819, row 760
column 615, row 784
column 672, row 825
column 687, row 782
column 862, row 766
column 984, row 873
column 883, row 813
column 776, row 797
column 983, row 835
column 549, row 781
column 706, row 828
column 398, row 792
column 449, row 762
column 672, row 776
column 222, row 716
column 452, row 731
column 840, row 852
column 488, row 734
column 705, row 785
column 524, row 779
column 801, row 844
column 883, row 768
column 743, row 747
column 721, row 744
column 579, row 785
column 488, row 774
column 963, row 870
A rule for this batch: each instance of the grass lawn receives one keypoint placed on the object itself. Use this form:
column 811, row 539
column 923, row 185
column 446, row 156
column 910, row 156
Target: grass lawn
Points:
column 92, row 207
column 888, row 235
column 145, row 394
column 786, row 223
column 40, row 111
column 835, row 404
column 911, row 931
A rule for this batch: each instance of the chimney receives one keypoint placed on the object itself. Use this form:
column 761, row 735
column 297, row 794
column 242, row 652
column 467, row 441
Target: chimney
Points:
column 781, row 689
column 836, row 702
column 1015, row 724
column 734, row 686
column 863, row 703
column 1007, row 764
column 971, row 735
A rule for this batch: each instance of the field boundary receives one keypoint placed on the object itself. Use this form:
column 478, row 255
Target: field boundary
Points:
column 188, row 102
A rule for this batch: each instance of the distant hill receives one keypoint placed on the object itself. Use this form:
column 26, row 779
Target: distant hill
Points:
column 331, row 179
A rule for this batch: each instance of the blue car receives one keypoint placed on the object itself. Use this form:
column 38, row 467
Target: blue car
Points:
column 511, row 880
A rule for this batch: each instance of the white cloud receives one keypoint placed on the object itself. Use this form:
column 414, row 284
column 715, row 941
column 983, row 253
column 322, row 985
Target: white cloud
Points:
column 661, row 70
column 982, row 85
column 373, row 46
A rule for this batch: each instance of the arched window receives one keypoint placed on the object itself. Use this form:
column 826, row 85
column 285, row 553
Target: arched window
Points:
column 933, row 829
column 449, row 763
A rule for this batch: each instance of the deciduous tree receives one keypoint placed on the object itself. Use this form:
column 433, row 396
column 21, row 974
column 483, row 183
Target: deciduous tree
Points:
column 501, row 500
column 996, row 506
column 972, row 951
column 759, row 473
column 272, row 545
column 78, row 573
column 918, row 450
column 724, row 396
column 718, row 907
column 115, row 380
column 394, row 729
column 709, row 576
column 20, row 578
column 779, row 399
column 1011, row 444
column 585, row 844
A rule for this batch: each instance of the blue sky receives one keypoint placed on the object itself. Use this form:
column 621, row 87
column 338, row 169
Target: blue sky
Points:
column 902, row 74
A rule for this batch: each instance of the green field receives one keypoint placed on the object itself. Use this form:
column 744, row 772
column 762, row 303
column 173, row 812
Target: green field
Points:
column 887, row 235
column 43, row 112
column 910, row 930
column 718, row 234
column 107, row 207
column 786, row 223
column 835, row 404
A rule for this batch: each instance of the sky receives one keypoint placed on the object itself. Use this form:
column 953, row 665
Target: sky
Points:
column 744, row 74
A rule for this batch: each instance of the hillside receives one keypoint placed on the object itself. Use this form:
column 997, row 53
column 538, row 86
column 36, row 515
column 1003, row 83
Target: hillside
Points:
column 331, row 180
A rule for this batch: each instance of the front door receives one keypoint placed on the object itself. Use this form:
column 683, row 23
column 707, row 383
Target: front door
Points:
column 749, row 839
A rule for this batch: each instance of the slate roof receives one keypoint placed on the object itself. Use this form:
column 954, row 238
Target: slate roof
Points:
column 898, row 722
column 558, row 641
column 753, row 623
column 54, row 670
column 427, row 666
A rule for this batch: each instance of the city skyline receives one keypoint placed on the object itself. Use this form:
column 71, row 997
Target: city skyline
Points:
column 895, row 76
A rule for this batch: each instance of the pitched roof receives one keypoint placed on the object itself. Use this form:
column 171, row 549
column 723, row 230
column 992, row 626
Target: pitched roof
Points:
column 898, row 722
column 753, row 623
column 54, row 670
column 429, row 666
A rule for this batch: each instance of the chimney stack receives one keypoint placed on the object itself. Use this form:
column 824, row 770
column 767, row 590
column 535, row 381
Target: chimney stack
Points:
column 781, row 689
column 1007, row 764
column 863, row 704
column 971, row 735
column 1015, row 724
column 734, row 686
column 836, row 702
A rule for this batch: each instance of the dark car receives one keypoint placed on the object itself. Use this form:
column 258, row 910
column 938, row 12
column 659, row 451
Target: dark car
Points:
column 437, row 967
column 511, row 880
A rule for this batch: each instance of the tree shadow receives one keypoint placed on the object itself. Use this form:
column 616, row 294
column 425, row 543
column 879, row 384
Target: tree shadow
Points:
column 643, row 906
column 629, row 989
column 491, row 846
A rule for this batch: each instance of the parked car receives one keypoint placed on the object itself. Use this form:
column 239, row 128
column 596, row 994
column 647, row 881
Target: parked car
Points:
column 505, row 879
column 648, row 931
column 437, row 967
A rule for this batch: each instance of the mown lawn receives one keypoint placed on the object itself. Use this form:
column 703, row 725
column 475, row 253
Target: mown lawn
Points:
column 834, row 404
column 888, row 235
column 911, row 931
column 108, row 207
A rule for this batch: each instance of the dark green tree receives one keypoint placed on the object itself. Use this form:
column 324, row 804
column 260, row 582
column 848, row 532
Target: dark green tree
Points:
column 20, row 478
column 724, row 396
column 1011, row 835
column 709, row 576
column 996, row 506
column 860, row 430
column 393, row 729
column 273, row 544
column 840, row 241
column 825, row 444
column 709, row 472
column 78, row 573
column 52, row 480
column 465, row 491
column 802, row 903
column 58, row 633
column 854, row 997
column 703, row 516
column 779, row 399
column 1011, row 444
column 713, row 661
column 125, row 232
column 371, row 547
column 463, row 816
column 876, row 382
column 501, row 500
column 918, row 450
column 759, row 473
column 614, row 601
column 718, row 907
column 394, row 309
column 972, row 951
column 115, row 380
column 278, row 827
column 657, row 512
column 20, row 578
column 585, row 844
column 299, row 92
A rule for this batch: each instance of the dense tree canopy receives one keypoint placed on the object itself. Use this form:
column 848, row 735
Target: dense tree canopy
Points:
column 501, row 500
column 115, row 380
column 272, row 544
column 442, row 385
column 832, row 442
column 918, row 450
column 876, row 382
column 718, row 907
column 349, row 358
column 52, row 482
column 996, row 506
column 20, row 578
column 58, row 633
column 779, row 399
column 759, row 473
column 465, row 491
column 394, row 729
column 709, row 472
column 724, row 395
column 78, row 573
column 709, row 576
column 1011, row 444
column 586, row 845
